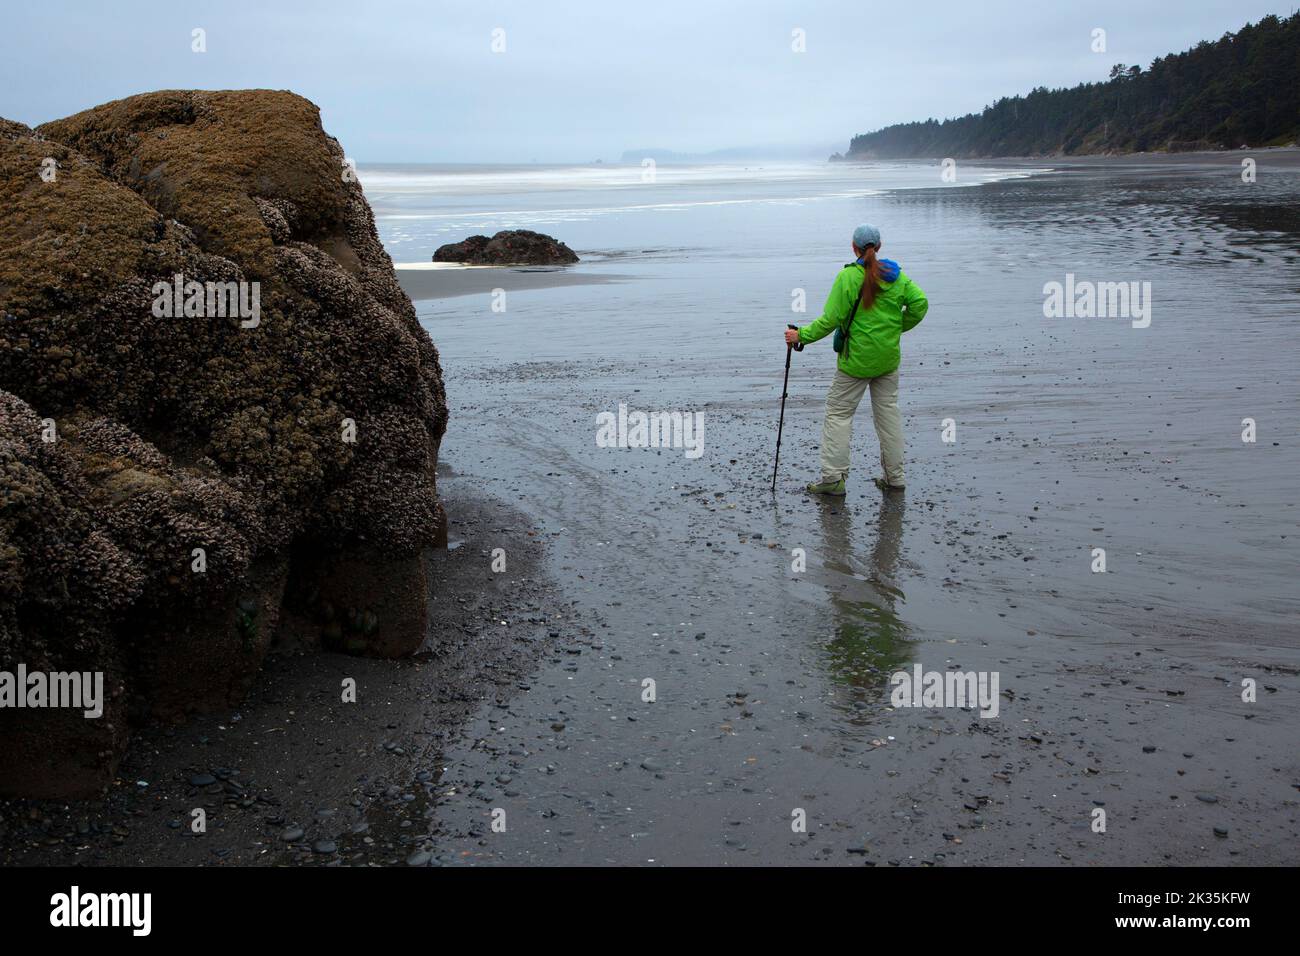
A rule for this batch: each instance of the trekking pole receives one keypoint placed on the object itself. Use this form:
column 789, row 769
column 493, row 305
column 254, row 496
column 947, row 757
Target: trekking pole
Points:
column 784, row 390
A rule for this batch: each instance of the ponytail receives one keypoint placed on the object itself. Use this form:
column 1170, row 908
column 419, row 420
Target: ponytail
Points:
column 870, row 278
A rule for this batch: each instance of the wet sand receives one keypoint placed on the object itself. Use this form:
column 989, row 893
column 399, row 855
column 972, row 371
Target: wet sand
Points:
column 772, row 685
column 422, row 284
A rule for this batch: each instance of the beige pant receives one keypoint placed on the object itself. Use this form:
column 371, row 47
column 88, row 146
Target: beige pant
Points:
column 837, row 432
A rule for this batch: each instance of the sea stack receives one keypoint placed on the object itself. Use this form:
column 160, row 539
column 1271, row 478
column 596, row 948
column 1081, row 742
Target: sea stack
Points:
column 510, row 247
column 219, row 417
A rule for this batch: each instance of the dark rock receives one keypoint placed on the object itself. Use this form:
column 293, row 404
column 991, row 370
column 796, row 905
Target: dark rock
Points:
column 176, row 433
column 508, row 247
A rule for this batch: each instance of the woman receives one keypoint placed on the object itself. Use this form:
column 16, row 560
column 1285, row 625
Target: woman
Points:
column 872, row 304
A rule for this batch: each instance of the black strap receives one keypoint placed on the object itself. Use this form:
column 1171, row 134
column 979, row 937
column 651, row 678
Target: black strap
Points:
column 856, row 302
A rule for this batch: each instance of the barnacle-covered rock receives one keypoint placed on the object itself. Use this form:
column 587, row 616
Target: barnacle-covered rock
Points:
column 166, row 459
column 506, row 248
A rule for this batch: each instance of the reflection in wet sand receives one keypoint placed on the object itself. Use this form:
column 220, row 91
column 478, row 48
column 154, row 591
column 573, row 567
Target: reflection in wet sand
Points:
column 870, row 639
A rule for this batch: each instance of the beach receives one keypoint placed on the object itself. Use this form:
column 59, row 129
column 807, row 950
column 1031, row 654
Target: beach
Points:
column 769, row 625
column 1120, row 690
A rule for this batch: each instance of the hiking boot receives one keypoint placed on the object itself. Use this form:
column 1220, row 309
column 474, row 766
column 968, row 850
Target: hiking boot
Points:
column 827, row 488
column 887, row 487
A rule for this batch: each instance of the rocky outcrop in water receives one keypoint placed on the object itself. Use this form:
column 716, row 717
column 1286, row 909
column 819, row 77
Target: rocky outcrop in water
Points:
column 510, row 247
column 219, row 416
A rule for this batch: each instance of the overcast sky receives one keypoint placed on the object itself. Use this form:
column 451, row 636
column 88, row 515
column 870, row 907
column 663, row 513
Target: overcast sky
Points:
column 419, row 81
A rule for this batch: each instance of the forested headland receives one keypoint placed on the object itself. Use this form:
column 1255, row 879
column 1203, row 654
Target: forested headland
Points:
column 1240, row 90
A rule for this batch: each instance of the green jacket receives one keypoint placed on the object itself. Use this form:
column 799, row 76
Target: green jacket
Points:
column 872, row 346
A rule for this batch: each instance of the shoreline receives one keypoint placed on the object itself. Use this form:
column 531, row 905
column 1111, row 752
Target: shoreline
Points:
column 422, row 283
column 1193, row 157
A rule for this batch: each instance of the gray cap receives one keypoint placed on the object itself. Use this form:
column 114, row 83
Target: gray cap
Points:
column 866, row 235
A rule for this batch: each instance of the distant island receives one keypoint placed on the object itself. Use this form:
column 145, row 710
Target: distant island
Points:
column 1241, row 90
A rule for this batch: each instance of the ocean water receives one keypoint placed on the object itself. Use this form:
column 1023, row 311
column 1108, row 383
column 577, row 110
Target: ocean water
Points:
column 622, row 210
